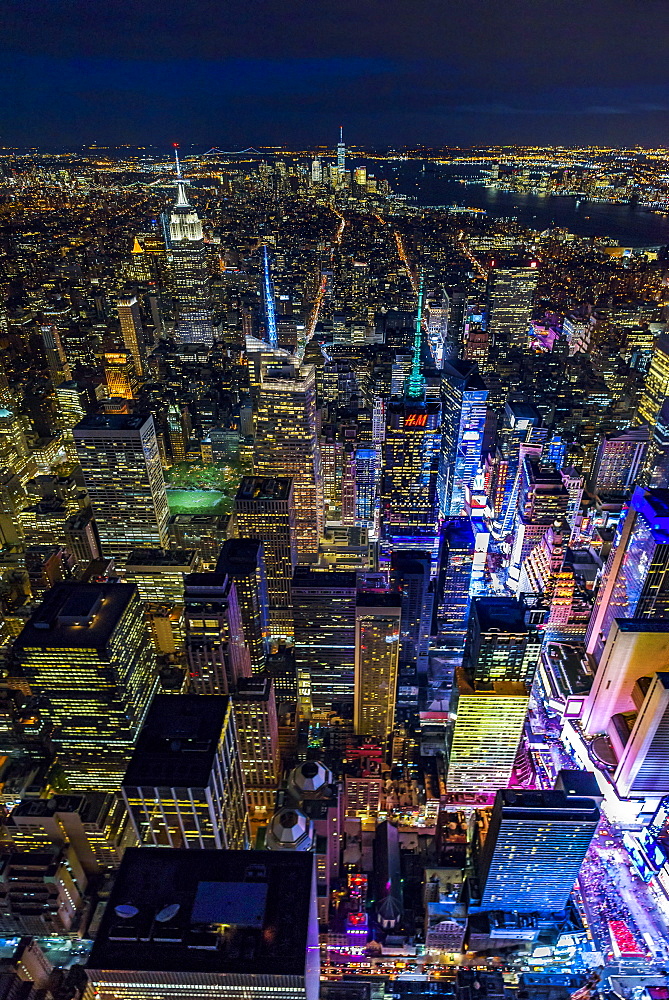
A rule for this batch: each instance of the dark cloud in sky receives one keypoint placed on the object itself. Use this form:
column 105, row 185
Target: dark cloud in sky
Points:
column 232, row 73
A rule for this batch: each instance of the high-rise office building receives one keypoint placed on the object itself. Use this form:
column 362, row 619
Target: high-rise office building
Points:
column 633, row 646
column 642, row 762
column 324, row 612
column 230, row 924
column 410, row 571
column 341, row 154
column 463, row 415
column 534, row 848
column 458, row 548
column 265, row 510
column 131, row 330
column 242, row 559
column 409, row 498
column 286, row 444
column 184, row 786
column 216, row 650
column 489, row 724
column 656, row 388
column 254, row 704
column 120, row 462
column 618, row 461
column 543, row 499
column 59, row 369
column 377, row 640
column 190, row 274
column 501, row 644
column 635, row 583
column 511, row 285
column 87, row 651
column 120, row 375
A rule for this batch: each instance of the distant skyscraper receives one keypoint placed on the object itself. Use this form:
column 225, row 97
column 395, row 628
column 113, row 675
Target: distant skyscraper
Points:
column 324, row 615
column 59, row 369
column 121, row 466
column 635, row 583
column 341, row 154
column 464, row 397
column 265, row 510
column 286, row 444
column 377, row 639
column 87, row 651
column 184, row 785
column 534, row 849
column 131, row 330
column 656, row 388
column 511, row 285
column 501, row 645
column 190, row 273
column 618, row 461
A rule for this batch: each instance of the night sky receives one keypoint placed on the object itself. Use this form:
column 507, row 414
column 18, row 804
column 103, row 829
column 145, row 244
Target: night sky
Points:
column 260, row 72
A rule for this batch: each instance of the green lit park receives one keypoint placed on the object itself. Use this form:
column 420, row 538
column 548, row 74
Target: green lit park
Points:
column 195, row 488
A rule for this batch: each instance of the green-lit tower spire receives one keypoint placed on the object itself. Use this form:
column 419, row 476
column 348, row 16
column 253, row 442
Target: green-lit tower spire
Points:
column 415, row 384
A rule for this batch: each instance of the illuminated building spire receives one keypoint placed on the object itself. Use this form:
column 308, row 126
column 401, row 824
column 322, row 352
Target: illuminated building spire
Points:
column 268, row 295
column 415, row 383
column 182, row 200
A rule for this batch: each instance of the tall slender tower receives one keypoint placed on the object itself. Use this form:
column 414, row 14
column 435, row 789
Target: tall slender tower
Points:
column 268, row 298
column 341, row 153
column 131, row 329
column 189, row 269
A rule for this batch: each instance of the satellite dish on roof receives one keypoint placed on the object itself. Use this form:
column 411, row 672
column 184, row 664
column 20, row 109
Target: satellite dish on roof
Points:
column 167, row 912
column 125, row 911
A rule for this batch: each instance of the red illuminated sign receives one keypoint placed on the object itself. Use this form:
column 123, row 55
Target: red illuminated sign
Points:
column 416, row 420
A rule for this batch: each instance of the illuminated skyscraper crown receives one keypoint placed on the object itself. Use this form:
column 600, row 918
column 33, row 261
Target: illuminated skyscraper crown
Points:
column 415, row 386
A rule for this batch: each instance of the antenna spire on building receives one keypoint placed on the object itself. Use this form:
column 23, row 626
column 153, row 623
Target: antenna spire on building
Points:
column 182, row 198
column 415, row 384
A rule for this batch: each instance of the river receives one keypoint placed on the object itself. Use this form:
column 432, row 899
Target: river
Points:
column 439, row 185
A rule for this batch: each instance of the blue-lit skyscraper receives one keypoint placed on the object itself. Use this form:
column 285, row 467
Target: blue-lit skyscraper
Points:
column 455, row 577
column 534, row 849
column 636, row 579
column 367, row 462
column 464, row 398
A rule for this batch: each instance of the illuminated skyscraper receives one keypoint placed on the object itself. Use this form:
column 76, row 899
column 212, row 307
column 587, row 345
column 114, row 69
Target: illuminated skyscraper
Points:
column 377, row 640
column 656, row 388
column 409, row 481
column 87, row 651
column 455, row 578
column 131, row 330
column 642, row 762
column 286, row 444
column 534, row 848
column 501, row 645
column 410, row 578
column 120, row 375
column 635, row 583
column 184, row 785
column 215, row 648
column 121, row 466
column 190, row 274
column 254, row 706
column 242, row 559
column 618, row 461
column 59, row 369
column 511, row 285
column 341, row 154
column 265, row 510
column 464, row 397
column 324, row 614
column 486, row 736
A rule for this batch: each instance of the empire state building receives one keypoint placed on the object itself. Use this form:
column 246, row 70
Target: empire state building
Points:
column 189, row 271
